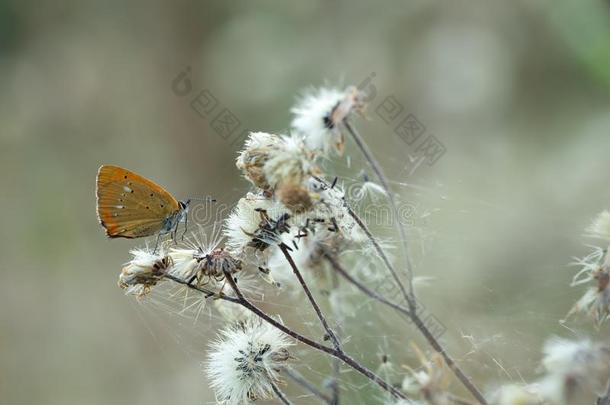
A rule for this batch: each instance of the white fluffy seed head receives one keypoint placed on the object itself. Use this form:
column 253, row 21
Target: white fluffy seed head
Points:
column 243, row 226
column 595, row 303
column 143, row 271
column 600, row 227
column 184, row 262
column 332, row 208
column 574, row 367
column 246, row 360
column 307, row 258
column 595, row 270
column 291, row 163
column 319, row 113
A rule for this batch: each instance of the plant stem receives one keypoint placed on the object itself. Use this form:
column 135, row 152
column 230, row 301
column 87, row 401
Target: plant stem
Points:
column 415, row 318
column 411, row 297
column 367, row 291
column 385, row 184
column 205, row 291
column 336, row 362
column 310, row 297
column 280, row 395
column 300, row 380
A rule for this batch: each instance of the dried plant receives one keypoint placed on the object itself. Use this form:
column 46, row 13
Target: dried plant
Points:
column 297, row 232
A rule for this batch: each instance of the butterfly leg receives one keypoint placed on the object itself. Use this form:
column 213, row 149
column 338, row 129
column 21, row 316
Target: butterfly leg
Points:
column 157, row 243
column 173, row 235
column 186, row 221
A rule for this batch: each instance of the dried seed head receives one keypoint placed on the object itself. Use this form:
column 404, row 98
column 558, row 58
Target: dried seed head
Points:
column 574, row 368
column 184, row 262
column 291, row 164
column 215, row 264
column 258, row 149
column 256, row 222
column 245, row 361
column 319, row 113
column 143, row 271
column 595, row 270
column 331, row 207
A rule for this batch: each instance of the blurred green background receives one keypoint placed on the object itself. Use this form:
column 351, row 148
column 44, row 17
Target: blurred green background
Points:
column 517, row 92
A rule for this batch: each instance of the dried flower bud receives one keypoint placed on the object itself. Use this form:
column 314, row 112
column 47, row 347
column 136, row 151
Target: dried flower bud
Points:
column 291, row 164
column 215, row 264
column 258, row 149
column 143, row 271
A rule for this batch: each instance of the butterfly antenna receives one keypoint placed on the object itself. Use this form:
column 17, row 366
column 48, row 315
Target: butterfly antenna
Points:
column 205, row 200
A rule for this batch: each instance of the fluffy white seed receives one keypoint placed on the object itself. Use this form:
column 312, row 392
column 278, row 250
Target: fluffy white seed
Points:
column 245, row 361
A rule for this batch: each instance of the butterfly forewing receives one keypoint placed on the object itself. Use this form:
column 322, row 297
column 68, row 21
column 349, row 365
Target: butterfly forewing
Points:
column 131, row 206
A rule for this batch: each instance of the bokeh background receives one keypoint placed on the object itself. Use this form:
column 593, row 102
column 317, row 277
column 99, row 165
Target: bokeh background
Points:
column 517, row 92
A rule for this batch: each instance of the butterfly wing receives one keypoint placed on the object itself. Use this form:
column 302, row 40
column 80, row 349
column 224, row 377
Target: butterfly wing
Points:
column 131, row 206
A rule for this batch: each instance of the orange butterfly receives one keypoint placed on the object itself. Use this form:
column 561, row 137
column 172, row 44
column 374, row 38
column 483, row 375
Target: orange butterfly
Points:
column 131, row 206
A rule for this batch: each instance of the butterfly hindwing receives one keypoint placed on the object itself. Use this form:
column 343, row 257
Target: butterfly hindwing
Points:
column 131, row 206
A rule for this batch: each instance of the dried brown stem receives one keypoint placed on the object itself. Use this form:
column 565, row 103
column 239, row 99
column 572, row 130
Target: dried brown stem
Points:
column 415, row 318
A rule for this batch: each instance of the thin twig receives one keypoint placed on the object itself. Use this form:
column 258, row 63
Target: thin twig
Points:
column 411, row 296
column 334, row 384
column 308, row 386
column 414, row 317
column 310, row 297
column 367, row 291
column 376, row 245
column 385, row 184
column 205, row 291
column 280, row 395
